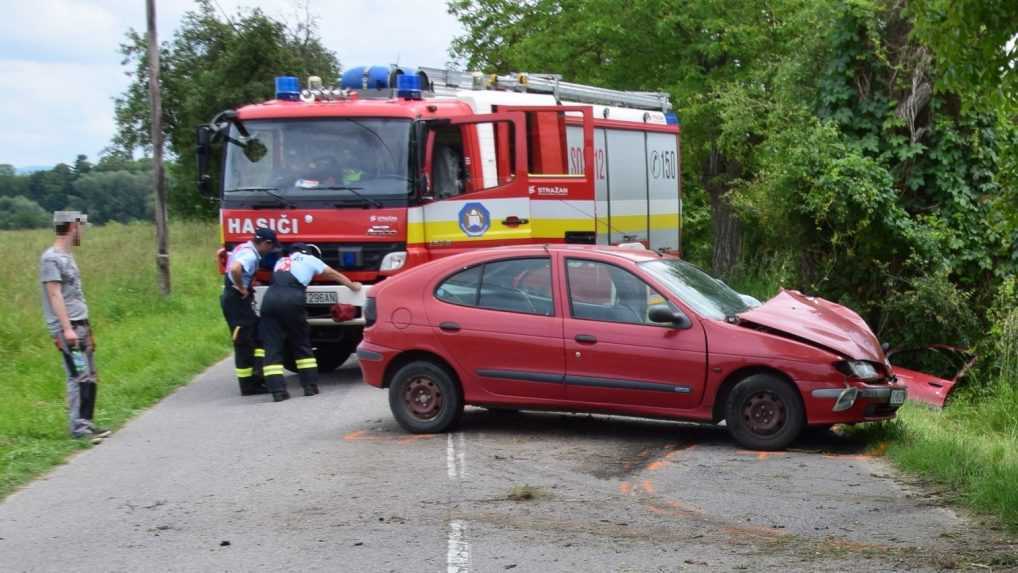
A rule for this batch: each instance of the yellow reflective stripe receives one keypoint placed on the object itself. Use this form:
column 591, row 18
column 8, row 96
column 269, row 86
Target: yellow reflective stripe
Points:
column 259, row 353
column 272, row 369
column 244, row 372
column 304, row 363
column 544, row 228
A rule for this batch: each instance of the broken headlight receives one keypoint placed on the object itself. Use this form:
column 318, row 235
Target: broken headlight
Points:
column 860, row 369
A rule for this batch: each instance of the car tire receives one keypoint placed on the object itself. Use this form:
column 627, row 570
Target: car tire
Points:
column 763, row 412
column 425, row 398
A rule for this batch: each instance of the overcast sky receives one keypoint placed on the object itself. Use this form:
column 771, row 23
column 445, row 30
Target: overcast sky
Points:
column 60, row 68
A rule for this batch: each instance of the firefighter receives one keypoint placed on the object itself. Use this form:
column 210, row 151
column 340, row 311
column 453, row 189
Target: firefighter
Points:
column 238, row 308
column 284, row 321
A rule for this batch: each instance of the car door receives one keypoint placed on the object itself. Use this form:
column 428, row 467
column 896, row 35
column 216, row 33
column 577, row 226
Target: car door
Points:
column 499, row 322
column 614, row 354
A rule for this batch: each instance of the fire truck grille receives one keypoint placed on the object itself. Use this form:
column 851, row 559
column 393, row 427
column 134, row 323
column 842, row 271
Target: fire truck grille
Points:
column 357, row 256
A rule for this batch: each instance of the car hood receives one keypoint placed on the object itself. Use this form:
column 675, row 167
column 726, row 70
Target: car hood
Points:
column 817, row 321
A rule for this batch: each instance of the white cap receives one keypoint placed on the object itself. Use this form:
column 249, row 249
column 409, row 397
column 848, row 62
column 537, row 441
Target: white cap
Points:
column 60, row 217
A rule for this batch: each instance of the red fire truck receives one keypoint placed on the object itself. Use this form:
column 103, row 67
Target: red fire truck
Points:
column 395, row 167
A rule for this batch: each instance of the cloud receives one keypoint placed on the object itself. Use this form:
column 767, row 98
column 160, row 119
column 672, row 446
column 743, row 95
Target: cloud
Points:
column 60, row 64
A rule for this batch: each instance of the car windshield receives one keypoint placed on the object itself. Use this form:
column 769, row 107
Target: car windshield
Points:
column 708, row 296
column 336, row 159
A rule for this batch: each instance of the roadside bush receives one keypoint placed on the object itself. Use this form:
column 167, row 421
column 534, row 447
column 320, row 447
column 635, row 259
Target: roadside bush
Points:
column 21, row 213
column 929, row 309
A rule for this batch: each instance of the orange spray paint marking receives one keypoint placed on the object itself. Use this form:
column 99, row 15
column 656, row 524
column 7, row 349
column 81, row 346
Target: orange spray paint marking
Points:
column 625, row 488
column 352, row 436
column 366, row 436
column 648, row 486
column 857, row 458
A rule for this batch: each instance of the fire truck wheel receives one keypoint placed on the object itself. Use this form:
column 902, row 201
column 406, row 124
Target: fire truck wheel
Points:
column 425, row 398
column 332, row 356
column 764, row 413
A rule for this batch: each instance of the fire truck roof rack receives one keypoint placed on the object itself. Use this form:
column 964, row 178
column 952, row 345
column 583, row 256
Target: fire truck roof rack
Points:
column 448, row 81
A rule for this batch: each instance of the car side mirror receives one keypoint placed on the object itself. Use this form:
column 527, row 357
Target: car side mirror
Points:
column 664, row 314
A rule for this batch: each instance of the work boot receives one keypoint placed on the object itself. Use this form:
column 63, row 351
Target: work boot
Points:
column 280, row 396
column 311, row 390
column 256, row 386
column 100, row 433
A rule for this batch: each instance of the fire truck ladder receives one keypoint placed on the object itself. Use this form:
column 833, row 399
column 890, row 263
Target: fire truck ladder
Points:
column 447, row 82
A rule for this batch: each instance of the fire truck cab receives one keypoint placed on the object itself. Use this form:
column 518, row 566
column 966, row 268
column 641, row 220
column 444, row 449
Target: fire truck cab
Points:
column 396, row 166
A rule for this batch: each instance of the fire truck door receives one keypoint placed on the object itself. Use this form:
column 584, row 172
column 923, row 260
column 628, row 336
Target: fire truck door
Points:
column 477, row 173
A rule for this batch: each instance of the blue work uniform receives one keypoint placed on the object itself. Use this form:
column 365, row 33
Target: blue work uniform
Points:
column 242, row 320
column 284, row 323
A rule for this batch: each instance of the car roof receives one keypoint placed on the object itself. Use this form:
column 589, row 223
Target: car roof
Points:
column 629, row 253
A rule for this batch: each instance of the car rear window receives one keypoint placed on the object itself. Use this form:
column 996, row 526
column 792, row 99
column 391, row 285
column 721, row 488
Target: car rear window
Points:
column 512, row 285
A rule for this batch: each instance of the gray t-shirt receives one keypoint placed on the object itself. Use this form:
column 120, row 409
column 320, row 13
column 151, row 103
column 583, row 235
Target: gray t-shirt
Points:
column 58, row 266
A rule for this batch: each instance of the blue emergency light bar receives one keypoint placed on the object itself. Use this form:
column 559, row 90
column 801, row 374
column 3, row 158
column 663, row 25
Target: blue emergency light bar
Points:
column 408, row 86
column 287, row 88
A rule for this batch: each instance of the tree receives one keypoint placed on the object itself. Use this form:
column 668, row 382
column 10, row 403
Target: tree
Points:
column 121, row 196
column 21, row 213
column 211, row 65
column 975, row 44
column 697, row 50
column 81, row 166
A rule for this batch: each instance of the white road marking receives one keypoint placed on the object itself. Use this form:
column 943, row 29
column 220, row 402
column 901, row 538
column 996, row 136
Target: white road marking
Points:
column 456, row 456
column 458, row 557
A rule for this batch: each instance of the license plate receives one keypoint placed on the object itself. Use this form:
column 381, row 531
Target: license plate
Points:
column 897, row 397
column 321, row 297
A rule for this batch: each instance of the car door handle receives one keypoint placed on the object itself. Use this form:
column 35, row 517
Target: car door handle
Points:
column 586, row 339
column 449, row 327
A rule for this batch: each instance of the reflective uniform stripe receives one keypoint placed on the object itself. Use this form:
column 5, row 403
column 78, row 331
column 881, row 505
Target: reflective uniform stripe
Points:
column 245, row 372
column 259, row 353
column 272, row 370
column 305, row 363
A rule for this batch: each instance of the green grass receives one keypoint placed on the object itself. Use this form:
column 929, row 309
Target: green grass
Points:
column 971, row 447
column 147, row 345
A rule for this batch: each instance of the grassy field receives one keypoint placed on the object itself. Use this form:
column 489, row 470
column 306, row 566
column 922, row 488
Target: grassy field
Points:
column 970, row 447
column 146, row 346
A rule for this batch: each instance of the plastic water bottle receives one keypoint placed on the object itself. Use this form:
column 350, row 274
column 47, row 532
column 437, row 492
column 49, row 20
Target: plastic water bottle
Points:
column 80, row 363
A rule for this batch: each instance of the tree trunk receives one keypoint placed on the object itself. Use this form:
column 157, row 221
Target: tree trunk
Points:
column 725, row 224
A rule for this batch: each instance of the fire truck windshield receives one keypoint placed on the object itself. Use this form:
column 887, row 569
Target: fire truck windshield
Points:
column 319, row 162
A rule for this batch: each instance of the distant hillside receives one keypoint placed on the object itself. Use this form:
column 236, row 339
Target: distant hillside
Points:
column 29, row 169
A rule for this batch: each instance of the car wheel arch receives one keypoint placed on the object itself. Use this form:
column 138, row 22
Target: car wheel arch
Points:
column 721, row 396
column 409, row 356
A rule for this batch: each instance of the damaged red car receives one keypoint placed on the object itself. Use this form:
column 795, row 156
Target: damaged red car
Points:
column 619, row 331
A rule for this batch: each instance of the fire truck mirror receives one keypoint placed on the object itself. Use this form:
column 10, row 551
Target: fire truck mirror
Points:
column 204, row 149
column 254, row 150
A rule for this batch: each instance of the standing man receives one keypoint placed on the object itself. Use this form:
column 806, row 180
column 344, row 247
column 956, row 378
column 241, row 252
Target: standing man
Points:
column 284, row 320
column 63, row 306
column 238, row 308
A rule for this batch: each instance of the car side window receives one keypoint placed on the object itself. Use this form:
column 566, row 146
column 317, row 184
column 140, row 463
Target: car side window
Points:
column 512, row 285
column 605, row 292
column 461, row 288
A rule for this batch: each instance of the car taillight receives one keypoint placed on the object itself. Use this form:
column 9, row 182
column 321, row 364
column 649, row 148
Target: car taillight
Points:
column 370, row 311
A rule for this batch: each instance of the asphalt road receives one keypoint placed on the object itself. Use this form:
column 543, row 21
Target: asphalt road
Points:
column 210, row 481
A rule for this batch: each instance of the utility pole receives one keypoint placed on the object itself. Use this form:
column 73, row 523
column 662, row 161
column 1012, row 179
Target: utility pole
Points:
column 158, row 175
